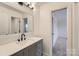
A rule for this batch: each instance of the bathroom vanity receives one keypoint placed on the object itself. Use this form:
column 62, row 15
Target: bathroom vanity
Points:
column 29, row 47
column 33, row 50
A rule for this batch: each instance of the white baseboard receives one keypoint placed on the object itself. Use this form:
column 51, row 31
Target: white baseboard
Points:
column 45, row 54
column 69, row 52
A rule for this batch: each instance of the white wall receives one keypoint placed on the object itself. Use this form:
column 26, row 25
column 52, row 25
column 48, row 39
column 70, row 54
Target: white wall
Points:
column 5, row 39
column 5, row 19
column 75, row 41
column 16, row 6
column 77, row 29
column 36, row 14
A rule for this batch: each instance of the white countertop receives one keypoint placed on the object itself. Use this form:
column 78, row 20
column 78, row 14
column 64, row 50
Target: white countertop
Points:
column 13, row 47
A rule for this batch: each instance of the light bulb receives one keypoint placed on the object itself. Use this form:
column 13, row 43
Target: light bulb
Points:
column 28, row 2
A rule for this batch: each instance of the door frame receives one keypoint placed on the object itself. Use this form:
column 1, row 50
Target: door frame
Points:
column 69, row 27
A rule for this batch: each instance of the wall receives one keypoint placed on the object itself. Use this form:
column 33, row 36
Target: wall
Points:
column 45, row 25
column 5, row 19
column 75, row 18
column 15, row 5
column 36, row 14
column 5, row 39
column 77, row 29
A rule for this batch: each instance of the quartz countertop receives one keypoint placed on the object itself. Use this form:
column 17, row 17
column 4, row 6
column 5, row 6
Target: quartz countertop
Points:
column 13, row 47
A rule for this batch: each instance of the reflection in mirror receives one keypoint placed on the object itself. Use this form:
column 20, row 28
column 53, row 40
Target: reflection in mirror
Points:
column 15, row 25
column 25, row 24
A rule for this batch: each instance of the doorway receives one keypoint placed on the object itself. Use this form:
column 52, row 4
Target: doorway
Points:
column 59, row 32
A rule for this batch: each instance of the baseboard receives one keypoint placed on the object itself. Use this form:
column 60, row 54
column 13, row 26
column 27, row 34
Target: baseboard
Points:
column 45, row 54
column 69, row 52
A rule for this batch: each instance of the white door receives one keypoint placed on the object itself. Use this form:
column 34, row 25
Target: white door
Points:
column 64, row 32
column 59, row 32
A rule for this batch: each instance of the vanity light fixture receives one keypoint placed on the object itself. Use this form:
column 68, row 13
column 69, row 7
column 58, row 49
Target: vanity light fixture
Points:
column 27, row 4
column 20, row 3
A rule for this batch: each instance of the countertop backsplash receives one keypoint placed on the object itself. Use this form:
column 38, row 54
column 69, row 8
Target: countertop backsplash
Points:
column 4, row 39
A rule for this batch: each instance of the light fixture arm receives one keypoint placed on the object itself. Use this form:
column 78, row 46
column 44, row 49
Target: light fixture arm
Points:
column 26, row 4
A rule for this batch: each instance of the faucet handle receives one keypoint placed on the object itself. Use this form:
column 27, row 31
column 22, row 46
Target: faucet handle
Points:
column 18, row 40
column 24, row 38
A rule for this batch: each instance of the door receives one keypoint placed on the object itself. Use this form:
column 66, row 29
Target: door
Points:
column 59, row 32
column 68, row 14
column 68, row 7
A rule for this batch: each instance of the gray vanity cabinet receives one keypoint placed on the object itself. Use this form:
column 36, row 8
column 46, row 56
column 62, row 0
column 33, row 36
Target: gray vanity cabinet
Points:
column 32, row 50
column 39, row 51
column 25, row 51
column 36, row 49
column 20, row 53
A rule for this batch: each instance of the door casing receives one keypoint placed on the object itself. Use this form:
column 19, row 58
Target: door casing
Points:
column 69, row 27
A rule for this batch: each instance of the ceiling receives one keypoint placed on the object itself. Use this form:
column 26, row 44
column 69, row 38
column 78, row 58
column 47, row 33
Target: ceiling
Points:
column 40, row 3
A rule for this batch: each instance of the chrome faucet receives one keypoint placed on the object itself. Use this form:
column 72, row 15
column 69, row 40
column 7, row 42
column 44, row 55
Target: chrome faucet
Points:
column 23, row 37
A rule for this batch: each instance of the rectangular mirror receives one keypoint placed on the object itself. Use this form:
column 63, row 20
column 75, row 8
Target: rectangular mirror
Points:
column 14, row 22
column 15, row 25
column 26, row 25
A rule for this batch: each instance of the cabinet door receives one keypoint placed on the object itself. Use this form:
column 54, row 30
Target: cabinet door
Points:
column 39, row 51
column 32, row 50
column 26, row 51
